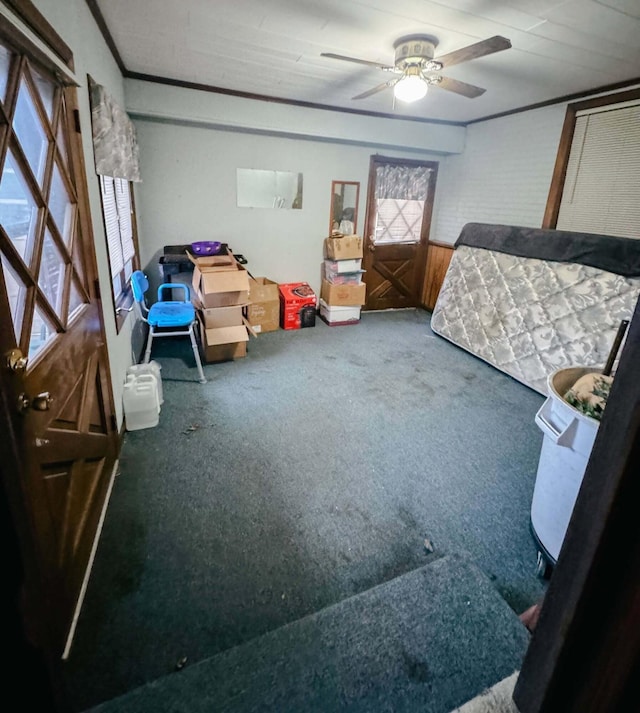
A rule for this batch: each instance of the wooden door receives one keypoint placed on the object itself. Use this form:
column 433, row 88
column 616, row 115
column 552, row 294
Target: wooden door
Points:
column 399, row 208
column 57, row 409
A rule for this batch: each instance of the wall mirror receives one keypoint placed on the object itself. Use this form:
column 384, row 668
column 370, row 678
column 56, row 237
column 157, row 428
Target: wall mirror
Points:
column 257, row 188
column 344, row 207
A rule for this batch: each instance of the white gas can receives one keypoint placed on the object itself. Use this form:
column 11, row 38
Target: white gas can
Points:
column 141, row 403
column 151, row 367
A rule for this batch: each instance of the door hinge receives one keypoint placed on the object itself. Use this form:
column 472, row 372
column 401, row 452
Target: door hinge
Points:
column 114, row 422
column 76, row 120
column 96, row 288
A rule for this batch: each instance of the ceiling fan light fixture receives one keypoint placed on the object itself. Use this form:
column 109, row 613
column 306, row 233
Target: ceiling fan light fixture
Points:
column 410, row 88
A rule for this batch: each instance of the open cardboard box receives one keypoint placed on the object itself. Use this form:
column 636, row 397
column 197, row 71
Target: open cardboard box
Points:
column 224, row 343
column 220, row 288
column 263, row 310
column 219, row 262
column 217, row 317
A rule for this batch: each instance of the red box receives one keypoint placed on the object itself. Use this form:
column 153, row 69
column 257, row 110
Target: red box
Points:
column 297, row 305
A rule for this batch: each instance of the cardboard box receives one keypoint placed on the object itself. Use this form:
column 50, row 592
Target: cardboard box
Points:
column 214, row 262
column 263, row 310
column 347, row 247
column 217, row 317
column 297, row 305
column 223, row 343
column 341, row 278
column 220, row 288
column 339, row 267
column 343, row 295
column 337, row 316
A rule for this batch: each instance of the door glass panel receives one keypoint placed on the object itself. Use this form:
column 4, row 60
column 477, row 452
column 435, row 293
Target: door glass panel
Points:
column 46, row 90
column 62, row 145
column 75, row 300
column 41, row 332
column 17, row 293
column 5, row 63
column 398, row 221
column 60, row 205
column 78, row 261
column 18, row 209
column 32, row 137
column 51, row 277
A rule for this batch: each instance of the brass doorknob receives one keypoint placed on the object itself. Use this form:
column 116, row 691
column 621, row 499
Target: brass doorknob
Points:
column 41, row 402
column 15, row 361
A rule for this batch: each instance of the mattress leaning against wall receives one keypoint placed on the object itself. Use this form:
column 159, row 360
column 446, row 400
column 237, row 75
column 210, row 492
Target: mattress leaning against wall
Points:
column 531, row 301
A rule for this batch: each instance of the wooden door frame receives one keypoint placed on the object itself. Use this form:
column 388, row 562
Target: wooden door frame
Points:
column 427, row 215
column 552, row 209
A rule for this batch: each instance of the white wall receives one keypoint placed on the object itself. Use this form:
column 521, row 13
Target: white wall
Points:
column 176, row 104
column 189, row 193
column 73, row 21
column 503, row 174
column 192, row 142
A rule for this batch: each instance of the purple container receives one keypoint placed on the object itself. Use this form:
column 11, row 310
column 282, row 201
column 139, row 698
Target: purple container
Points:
column 206, row 247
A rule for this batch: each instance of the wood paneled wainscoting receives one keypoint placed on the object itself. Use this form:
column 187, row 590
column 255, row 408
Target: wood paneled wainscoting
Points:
column 438, row 259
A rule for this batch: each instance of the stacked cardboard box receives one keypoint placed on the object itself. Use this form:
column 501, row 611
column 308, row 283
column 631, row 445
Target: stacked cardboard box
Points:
column 263, row 310
column 343, row 292
column 221, row 292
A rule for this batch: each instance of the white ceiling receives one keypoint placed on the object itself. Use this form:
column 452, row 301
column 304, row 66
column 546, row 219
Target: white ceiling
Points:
column 273, row 47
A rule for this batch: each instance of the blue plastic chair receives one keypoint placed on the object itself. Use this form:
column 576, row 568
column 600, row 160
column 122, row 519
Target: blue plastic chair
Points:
column 175, row 318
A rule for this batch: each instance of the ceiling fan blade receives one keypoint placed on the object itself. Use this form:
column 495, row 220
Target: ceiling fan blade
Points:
column 377, row 89
column 366, row 62
column 479, row 49
column 455, row 85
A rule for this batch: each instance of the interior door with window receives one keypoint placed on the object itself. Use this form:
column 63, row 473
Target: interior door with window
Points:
column 399, row 209
column 57, row 407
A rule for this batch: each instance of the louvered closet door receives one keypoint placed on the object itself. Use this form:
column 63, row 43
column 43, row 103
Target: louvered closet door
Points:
column 57, row 404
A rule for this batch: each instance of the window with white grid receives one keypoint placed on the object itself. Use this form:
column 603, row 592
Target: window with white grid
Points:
column 398, row 221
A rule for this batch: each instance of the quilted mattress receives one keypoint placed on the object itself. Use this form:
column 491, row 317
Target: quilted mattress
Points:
column 529, row 317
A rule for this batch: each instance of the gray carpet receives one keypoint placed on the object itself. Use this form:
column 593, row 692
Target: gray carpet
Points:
column 307, row 472
column 426, row 641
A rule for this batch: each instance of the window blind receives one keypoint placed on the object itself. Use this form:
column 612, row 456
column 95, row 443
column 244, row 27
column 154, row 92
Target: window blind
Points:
column 602, row 185
column 116, row 205
column 123, row 202
column 111, row 224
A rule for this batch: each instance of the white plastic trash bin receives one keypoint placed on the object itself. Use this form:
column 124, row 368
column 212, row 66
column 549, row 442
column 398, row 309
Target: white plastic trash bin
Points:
column 569, row 435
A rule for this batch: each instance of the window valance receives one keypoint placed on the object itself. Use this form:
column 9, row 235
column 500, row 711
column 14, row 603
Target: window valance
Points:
column 115, row 146
column 408, row 183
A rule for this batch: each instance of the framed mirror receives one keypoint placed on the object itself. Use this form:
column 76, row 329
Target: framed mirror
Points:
column 344, row 207
column 268, row 189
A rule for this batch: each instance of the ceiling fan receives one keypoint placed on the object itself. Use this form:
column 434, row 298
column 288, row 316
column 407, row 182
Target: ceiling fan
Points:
column 417, row 69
